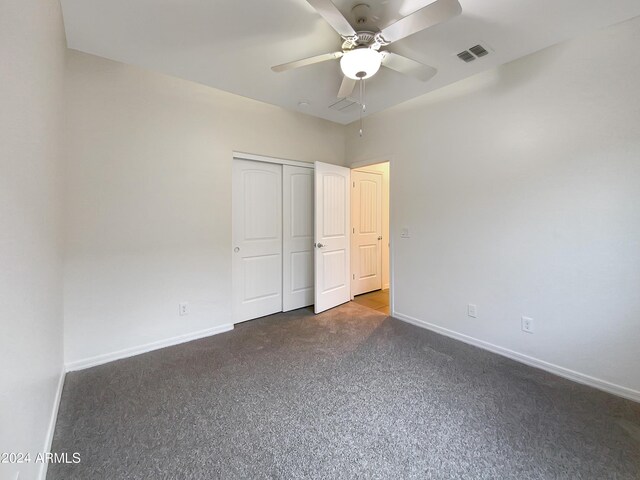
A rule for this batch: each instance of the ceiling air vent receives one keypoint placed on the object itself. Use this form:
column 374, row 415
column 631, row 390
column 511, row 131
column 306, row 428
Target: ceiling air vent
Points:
column 474, row 52
column 343, row 105
column 478, row 51
column 466, row 56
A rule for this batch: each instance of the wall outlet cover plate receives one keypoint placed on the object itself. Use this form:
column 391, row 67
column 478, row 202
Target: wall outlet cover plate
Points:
column 527, row 324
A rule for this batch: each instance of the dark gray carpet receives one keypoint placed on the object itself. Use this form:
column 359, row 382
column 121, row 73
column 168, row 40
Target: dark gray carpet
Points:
column 350, row 393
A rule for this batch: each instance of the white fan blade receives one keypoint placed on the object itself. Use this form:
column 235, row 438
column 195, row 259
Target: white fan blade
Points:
column 437, row 12
column 408, row 67
column 306, row 61
column 347, row 86
column 332, row 15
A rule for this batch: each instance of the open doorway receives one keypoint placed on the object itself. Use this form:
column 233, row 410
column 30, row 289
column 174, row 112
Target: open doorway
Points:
column 370, row 264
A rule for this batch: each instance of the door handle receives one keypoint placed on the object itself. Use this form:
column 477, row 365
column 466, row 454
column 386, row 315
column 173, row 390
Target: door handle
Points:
column 380, row 237
column 237, row 249
column 318, row 245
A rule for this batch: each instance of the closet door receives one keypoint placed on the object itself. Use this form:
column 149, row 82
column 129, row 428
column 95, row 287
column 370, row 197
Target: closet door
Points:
column 298, row 237
column 257, row 239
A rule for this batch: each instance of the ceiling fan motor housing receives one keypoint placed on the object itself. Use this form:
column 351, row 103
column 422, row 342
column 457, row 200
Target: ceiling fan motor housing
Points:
column 360, row 39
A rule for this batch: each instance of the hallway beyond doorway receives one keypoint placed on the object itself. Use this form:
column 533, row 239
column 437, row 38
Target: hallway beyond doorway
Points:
column 378, row 300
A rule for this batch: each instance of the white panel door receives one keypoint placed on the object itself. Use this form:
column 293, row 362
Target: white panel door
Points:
column 257, row 239
column 366, row 217
column 332, row 236
column 297, row 200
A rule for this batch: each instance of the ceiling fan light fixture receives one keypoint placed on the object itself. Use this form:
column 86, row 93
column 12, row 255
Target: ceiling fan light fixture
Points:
column 361, row 63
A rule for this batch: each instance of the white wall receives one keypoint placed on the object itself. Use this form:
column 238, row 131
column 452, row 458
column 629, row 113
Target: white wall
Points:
column 521, row 190
column 148, row 199
column 382, row 168
column 32, row 67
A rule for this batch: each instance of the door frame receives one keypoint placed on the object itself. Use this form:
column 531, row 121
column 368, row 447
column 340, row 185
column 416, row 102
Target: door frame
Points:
column 266, row 159
column 366, row 163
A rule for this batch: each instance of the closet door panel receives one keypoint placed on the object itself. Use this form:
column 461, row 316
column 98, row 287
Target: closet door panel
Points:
column 257, row 239
column 298, row 278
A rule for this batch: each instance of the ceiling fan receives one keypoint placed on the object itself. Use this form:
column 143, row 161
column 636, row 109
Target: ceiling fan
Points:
column 361, row 56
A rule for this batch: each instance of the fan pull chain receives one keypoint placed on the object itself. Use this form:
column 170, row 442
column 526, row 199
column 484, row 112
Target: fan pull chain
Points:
column 363, row 106
column 364, row 93
column 360, row 86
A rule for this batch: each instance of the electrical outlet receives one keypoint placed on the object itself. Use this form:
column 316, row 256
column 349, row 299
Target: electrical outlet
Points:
column 472, row 310
column 183, row 308
column 527, row 324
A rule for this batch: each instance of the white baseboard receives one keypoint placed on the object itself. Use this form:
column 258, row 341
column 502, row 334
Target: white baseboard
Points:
column 130, row 352
column 42, row 475
column 603, row 385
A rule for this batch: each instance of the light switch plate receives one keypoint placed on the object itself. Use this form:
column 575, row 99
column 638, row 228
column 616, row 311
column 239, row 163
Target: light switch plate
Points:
column 404, row 233
column 472, row 310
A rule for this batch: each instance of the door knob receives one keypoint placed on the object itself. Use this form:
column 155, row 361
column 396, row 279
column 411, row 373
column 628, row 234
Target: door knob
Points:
column 380, row 237
column 237, row 249
column 319, row 245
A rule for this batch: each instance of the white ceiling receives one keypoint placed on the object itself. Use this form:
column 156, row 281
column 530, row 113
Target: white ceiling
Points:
column 231, row 44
